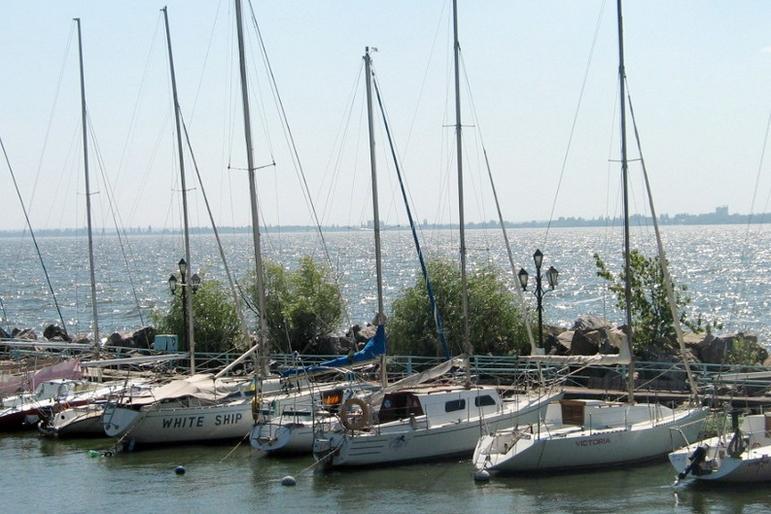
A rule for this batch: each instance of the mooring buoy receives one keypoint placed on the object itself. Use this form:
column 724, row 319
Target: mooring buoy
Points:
column 180, row 470
column 288, row 481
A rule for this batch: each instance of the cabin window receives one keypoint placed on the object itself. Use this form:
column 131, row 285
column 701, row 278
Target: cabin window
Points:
column 484, row 401
column 454, row 405
column 397, row 406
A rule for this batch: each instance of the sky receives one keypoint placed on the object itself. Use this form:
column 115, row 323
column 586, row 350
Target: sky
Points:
column 699, row 74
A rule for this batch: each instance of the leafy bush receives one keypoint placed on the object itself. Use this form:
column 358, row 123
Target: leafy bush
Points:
column 654, row 331
column 301, row 305
column 215, row 321
column 495, row 322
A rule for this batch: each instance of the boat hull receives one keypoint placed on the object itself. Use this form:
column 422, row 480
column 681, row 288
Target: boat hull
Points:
column 409, row 442
column 583, row 449
column 160, row 424
column 753, row 465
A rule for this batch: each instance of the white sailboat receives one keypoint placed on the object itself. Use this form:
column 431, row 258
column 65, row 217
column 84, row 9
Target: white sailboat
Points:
column 430, row 422
column 743, row 457
column 200, row 407
column 295, row 432
column 594, row 433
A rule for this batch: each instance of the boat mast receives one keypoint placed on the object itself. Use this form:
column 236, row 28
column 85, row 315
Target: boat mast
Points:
column 262, row 326
column 624, row 175
column 88, row 188
column 187, row 295
column 373, row 168
column 459, row 158
column 375, row 209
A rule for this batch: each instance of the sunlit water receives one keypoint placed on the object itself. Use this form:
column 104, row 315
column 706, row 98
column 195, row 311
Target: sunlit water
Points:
column 726, row 269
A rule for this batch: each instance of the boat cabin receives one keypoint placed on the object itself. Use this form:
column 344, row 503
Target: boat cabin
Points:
column 439, row 405
column 600, row 414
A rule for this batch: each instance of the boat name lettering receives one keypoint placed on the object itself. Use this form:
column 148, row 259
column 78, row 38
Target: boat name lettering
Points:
column 183, row 422
column 593, row 442
column 227, row 419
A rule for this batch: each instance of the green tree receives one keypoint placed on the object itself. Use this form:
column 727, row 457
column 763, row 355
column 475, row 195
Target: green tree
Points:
column 654, row 331
column 215, row 321
column 496, row 323
column 301, row 305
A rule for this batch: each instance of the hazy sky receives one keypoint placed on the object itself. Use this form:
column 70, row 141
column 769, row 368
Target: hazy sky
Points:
column 699, row 72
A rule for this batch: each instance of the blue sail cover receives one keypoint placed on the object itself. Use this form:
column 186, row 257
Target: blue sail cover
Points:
column 374, row 348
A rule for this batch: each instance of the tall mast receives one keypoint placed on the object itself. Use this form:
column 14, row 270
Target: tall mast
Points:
column 459, row 158
column 373, row 167
column 624, row 174
column 262, row 327
column 187, row 295
column 88, row 188
column 375, row 209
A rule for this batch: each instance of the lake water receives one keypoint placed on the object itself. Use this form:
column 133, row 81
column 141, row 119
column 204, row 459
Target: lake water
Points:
column 42, row 475
column 726, row 268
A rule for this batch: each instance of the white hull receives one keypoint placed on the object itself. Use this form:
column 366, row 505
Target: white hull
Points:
column 76, row 422
column 752, row 464
column 285, row 438
column 412, row 440
column 541, row 448
column 173, row 423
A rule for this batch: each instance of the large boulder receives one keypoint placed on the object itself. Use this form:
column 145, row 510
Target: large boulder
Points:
column 588, row 322
column 120, row 340
column 4, row 334
column 615, row 340
column 56, row 333
column 586, row 342
column 144, row 337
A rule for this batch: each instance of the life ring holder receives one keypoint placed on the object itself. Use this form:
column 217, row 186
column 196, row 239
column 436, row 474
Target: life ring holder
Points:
column 358, row 421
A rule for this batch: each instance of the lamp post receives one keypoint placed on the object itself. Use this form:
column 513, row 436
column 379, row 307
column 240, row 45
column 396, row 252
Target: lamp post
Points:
column 551, row 276
column 195, row 283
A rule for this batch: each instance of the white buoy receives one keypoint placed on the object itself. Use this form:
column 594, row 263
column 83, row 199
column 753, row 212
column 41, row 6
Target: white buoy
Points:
column 288, row 481
column 482, row 476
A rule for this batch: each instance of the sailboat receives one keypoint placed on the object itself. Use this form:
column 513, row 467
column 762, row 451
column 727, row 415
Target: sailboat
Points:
column 596, row 433
column 418, row 422
column 743, row 456
column 293, row 430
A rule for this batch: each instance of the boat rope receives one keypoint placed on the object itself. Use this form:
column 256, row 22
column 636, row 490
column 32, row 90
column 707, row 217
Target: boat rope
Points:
column 115, row 216
column 438, row 321
column 574, row 122
column 32, row 233
column 236, row 447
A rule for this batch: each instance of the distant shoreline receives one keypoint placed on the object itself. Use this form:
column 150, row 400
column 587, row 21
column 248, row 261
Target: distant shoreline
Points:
column 571, row 222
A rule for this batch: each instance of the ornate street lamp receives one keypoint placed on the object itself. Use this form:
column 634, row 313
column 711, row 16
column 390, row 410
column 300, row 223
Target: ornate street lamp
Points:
column 195, row 283
column 552, row 276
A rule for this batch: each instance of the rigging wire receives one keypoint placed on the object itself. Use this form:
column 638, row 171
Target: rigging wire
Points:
column 32, row 233
column 575, row 121
column 435, row 309
column 229, row 275
column 51, row 115
column 137, row 102
column 115, row 217
column 521, row 294
column 290, row 135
